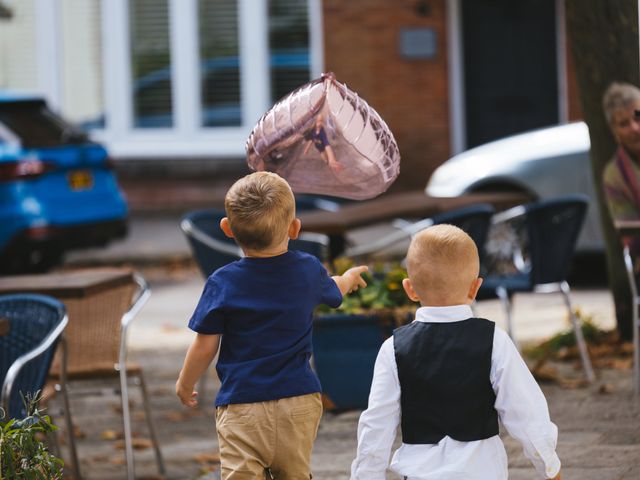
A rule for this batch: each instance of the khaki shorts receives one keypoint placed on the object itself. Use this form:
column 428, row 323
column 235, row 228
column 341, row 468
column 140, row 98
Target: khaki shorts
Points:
column 275, row 436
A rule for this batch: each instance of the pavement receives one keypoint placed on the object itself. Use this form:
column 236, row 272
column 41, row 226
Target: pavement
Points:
column 599, row 424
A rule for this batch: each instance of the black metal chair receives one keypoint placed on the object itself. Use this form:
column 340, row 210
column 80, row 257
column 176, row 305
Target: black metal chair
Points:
column 551, row 231
column 474, row 220
column 212, row 249
column 35, row 327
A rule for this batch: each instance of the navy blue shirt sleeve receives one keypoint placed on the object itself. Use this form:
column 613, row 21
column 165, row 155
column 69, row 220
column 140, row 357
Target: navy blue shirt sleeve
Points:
column 329, row 292
column 207, row 317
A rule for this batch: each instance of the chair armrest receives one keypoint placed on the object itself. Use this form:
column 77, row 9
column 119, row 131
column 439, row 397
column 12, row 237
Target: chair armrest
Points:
column 328, row 205
column 509, row 214
column 314, row 237
column 22, row 360
column 401, row 223
column 405, row 232
column 189, row 229
column 142, row 295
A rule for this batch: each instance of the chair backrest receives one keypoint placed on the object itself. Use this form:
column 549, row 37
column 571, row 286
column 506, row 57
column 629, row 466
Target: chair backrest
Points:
column 474, row 220
column 306, row 203
column 35, row 325
column 212, row 249
column 553, row 227
column 215, row 251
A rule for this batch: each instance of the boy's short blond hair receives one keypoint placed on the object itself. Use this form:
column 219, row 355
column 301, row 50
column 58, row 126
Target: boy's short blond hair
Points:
column 260, row 208
column 442, row 263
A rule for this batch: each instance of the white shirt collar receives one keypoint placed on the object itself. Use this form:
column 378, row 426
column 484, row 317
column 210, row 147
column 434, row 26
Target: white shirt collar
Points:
column 453, row 313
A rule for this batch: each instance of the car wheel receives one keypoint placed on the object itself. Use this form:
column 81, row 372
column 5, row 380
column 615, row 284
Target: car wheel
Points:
column 32, row 261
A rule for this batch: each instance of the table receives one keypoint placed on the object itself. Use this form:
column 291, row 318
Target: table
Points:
column 86, row 294
column 631, row 228
column 415, row 204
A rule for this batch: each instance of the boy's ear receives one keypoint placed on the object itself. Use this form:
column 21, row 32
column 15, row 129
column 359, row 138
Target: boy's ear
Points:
column 226, row 227
column 473, row 290
column 408, row 289
column 294, row 228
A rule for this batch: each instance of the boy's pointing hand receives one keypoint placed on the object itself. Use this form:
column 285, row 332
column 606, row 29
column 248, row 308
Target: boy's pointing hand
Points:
column 354, row 276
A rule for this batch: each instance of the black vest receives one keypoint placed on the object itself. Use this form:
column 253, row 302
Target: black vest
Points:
column 444, row 372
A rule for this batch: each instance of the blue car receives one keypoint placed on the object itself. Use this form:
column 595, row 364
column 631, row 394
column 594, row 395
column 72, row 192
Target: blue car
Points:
column 58, row 190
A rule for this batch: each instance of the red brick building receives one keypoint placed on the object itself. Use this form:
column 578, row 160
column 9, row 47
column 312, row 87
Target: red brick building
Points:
column 487, row 68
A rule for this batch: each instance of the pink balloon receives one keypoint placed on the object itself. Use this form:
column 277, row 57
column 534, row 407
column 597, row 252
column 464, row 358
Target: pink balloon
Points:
column 324, row 139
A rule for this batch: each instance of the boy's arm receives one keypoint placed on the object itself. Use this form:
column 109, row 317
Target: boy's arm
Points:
column 522, row 407
column 379, row 422
column 199, row 356
column 351, row 280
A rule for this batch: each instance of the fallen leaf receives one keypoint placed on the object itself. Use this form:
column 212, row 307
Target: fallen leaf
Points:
column 544, row 372
column 119, row 460
column 573, row 382
column 213, row 457
column 111, row 435
column 136, row 443
column 622, row 363
column 176, row 416
column 606, row 388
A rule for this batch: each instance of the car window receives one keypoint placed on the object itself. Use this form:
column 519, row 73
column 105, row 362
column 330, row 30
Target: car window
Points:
column 35, row 125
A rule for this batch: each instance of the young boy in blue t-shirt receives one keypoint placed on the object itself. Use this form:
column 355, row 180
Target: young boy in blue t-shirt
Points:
column 259, row 312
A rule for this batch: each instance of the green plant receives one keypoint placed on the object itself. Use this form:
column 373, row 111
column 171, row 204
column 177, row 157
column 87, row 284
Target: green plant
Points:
column 566, row 339
column 383, row 294
column 23, row 454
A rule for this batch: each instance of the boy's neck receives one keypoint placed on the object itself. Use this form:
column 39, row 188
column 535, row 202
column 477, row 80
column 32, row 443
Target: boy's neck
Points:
column 272, row 251
column 444, row 303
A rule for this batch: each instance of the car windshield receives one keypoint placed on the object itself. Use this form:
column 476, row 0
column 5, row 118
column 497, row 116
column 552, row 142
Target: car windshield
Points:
column 35, row 125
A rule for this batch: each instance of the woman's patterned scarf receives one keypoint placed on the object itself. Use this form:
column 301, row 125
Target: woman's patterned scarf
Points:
column 623, row 162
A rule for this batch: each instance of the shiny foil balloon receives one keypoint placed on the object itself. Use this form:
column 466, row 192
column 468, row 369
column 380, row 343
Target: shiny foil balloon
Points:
column 322, row 138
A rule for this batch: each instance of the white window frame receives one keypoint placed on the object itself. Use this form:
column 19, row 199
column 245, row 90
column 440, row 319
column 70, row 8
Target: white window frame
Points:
column 49, row 60
column 187, row 138
column 457, row 117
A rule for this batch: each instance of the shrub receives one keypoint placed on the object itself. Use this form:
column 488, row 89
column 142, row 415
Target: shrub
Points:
column 383, row 294
column 23, row 453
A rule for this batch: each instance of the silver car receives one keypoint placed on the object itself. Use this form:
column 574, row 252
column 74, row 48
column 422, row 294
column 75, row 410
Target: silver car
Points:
column 544, row 163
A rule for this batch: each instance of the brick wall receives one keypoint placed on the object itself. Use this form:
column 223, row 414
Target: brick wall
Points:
column 362, row 49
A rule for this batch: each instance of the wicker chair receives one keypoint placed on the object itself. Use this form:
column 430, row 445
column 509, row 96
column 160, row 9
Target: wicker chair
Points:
column 98, row 349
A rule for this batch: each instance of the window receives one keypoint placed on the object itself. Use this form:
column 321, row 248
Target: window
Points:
column 288, row 45
column 81, row 58
column 150, row 63
column 219, row 63
column 189, row 77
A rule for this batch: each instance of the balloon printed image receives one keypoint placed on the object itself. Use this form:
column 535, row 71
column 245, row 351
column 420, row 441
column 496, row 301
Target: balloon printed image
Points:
column 324, row 139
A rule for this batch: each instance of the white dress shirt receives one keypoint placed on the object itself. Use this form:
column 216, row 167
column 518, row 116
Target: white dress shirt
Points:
column 520, row 403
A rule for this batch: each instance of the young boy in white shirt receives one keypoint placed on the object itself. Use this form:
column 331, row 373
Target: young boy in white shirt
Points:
column 446, row 379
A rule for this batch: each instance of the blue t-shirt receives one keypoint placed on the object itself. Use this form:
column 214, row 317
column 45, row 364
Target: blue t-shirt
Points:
column 263, row 307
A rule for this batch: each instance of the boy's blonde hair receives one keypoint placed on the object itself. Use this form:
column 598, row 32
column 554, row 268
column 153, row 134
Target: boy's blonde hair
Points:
column 260, row 208
column 442, row 263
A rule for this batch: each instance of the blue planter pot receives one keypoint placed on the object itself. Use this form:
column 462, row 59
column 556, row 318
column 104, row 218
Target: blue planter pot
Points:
column 345, row 348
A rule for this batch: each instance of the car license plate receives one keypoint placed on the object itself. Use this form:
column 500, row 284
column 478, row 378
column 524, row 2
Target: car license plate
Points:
column 80, row 180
